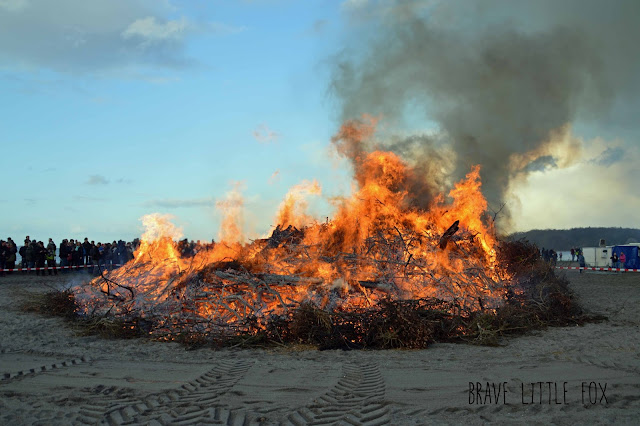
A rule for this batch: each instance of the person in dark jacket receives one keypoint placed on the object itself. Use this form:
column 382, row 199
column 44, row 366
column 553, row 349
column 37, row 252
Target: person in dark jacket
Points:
column 30, row 254
column 102, row 259
column 91, row 262
column 95, row 254
column 130, row 252
column 108, row 256
column 50, row 256
column 23, row 255
column 86, row 247
column 62, row 254
column 121, row 251
column 40, row 255
column 10, row 260
column 77, row 255
column 13, row 245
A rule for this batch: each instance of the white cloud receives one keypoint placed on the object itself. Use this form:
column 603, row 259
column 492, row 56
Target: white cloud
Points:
column 115, row 37
column 151, row 30
column 77, row 36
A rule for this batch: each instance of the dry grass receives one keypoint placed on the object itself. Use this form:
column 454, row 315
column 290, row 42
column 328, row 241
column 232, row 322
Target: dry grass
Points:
column 54, row 303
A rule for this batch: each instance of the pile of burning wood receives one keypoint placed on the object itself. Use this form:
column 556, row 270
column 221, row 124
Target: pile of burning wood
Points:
column 254, row 299
column 386, row 271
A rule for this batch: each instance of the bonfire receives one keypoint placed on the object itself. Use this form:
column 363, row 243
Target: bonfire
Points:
column 381, row 259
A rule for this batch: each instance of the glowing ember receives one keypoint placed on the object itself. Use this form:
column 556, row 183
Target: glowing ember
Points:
column 378, row 246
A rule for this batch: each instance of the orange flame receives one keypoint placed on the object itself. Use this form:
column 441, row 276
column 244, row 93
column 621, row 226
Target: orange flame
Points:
column 293, row 208
column 232, row 217
column 377, row 245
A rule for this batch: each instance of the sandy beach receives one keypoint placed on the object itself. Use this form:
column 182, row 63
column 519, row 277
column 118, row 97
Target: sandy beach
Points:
column 590, row 374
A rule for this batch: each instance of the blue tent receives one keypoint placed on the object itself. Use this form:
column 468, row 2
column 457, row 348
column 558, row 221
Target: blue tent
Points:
column 631, row 252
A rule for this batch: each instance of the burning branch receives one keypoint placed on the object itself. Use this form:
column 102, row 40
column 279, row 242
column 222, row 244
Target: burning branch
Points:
column 444, row 240
column 129, row 289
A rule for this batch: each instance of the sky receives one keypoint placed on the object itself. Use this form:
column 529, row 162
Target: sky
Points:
column 111, row 110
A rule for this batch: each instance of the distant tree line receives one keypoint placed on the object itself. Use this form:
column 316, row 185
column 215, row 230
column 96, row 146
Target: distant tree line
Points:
column 565, row 239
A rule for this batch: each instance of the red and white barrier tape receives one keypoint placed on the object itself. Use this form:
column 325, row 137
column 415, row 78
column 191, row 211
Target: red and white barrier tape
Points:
column 598, row 269
column 51, row 268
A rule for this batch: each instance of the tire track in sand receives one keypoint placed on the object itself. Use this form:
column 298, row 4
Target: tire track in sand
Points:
column 192, row 403
column 40, row 362
column 357, row 399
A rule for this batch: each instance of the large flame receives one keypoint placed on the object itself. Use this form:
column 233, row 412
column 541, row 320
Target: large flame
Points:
column 376, row 246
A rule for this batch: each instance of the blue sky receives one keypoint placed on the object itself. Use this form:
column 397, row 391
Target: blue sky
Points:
column 115, row 109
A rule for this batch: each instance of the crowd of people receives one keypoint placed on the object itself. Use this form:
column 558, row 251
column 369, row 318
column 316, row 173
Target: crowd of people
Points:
column 8, row 251
column 72, row 253
column 76, row 254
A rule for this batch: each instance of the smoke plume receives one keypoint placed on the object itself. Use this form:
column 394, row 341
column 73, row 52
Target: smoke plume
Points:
column 502, row 81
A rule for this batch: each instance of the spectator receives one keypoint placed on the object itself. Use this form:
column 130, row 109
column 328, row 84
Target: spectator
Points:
column 581, row 261
column 129, row 252
column 71, row 245
column 86, row 248
column 78, row 255
column 27, row 244
column 108, row 256
column 30, row 253
column 121, row 251
column 95, row 254
column 51, row 246
column 91, row 260
column 10, row 260
column 573, row 254
column 614, row 260
column 101, row 259
column 40, row 254
column 23, row 255
column 50, row 256
column 622, row 259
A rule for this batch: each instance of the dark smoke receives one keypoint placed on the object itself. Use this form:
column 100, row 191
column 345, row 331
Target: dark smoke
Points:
column 494, row 87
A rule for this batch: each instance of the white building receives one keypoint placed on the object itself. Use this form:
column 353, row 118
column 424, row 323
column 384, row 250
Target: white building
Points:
column 597, row 257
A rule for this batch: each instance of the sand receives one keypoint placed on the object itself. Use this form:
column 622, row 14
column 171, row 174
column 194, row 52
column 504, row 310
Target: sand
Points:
column 49, row 375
